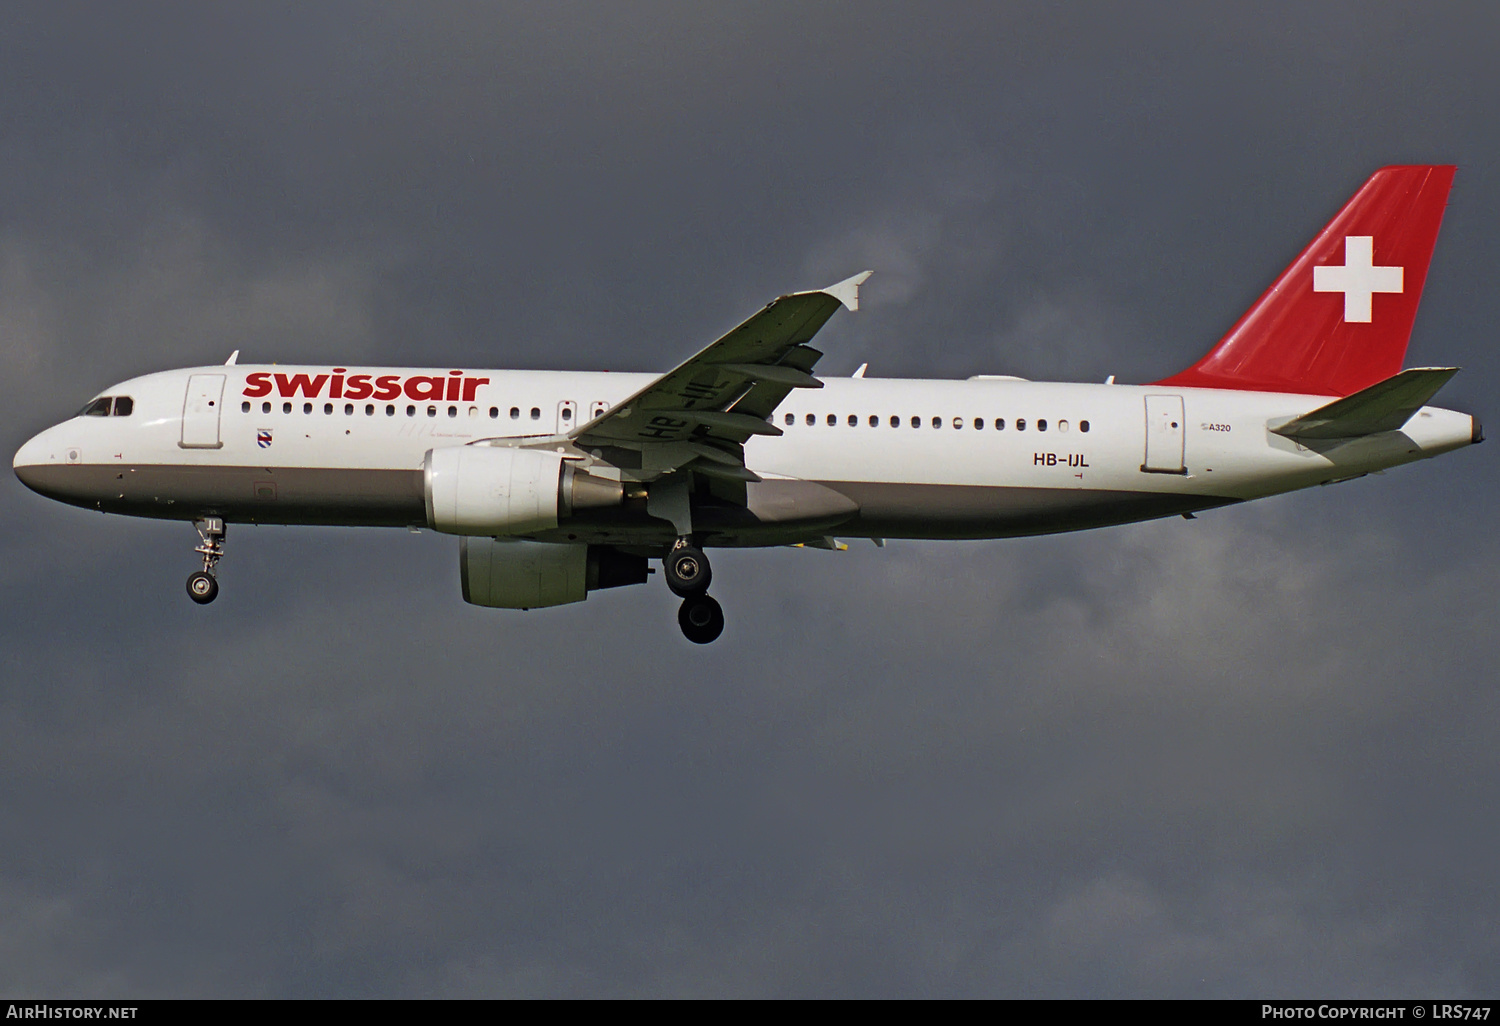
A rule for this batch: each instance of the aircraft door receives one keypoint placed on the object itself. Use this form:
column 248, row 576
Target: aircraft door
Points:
column 1165, row 435
column 567, row 415
column 200, row 412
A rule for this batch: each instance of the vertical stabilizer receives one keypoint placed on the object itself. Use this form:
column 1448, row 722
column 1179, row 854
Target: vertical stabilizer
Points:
column 1339, row 318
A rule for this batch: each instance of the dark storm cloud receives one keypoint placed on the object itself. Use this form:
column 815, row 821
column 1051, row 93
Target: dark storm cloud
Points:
column 1246, row 755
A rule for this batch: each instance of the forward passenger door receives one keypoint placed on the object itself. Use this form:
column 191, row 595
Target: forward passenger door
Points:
column 200, row 412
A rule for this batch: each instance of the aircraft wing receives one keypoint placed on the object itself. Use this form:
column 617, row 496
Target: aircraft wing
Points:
column 711, row 404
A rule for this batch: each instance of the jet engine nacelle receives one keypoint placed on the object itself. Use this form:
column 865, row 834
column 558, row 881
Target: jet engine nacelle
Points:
column 513, row 573
column 493, row 490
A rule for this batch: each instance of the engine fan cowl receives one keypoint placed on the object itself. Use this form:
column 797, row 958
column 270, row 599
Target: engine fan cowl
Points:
column 488, row 490
column 500, row 490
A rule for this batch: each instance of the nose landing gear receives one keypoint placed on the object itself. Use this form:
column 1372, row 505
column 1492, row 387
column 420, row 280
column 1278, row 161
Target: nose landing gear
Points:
column 203, row 585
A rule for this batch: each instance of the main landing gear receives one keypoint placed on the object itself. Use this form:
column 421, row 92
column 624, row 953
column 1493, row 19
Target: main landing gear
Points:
column 688, row 575
column 203, row 585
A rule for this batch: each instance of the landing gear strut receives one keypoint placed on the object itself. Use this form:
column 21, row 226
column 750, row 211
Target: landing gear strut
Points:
column 203, row 585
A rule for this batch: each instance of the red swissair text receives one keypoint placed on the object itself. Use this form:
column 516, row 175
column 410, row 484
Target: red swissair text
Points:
column 455, row 387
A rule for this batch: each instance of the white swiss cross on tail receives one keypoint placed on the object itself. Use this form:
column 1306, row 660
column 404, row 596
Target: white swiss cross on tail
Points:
column 1358, row 279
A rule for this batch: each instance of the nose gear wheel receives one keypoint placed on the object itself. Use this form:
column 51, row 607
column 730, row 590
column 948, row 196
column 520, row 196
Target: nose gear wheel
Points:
column 202, row 587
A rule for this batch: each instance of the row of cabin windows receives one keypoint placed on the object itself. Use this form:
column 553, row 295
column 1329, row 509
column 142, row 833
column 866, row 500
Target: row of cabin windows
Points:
column 109, row 406
column 411, row 410
column 958, row 423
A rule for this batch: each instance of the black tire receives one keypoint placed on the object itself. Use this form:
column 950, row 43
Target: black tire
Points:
column 701, row 619
column 687, row 571
column 202, row 587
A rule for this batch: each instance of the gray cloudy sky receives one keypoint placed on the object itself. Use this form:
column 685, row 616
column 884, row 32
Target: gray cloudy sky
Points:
column 1250, row 755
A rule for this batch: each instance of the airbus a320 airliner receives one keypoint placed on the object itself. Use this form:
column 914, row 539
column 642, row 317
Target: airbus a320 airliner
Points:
column 559, row 484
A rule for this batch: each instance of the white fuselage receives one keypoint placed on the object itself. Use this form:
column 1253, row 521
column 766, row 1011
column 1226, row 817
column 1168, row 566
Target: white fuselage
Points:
column 921, row 458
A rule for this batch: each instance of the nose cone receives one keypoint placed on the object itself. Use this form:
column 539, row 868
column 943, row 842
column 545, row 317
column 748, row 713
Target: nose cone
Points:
column 33, row 461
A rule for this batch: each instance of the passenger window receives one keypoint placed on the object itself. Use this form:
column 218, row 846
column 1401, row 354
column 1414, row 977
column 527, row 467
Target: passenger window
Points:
column 937, row 422
column 515, row 413
column 432, row 411
column 369, row 409
column 348, row 409
column 999, row 423
column 494, row 413
column 286, row 407
column 536, row 413
column 265, row 407
column 453, row 411
column 958, row 422
column 307, row 407
column 978, row 423
column 916, row 422
column 853, row 420
column 1083, row 426
column 1041, row 425
column 1062, row 425
column 390, row 411
column 791, row 418
column 895, row 421
column 567, row 413
column 874, row 420
column 833, row 419
column 245, row 406
column 123, row 405
column 411, row 411
column 327, row 409
column 1020, row 423
column 812, row 418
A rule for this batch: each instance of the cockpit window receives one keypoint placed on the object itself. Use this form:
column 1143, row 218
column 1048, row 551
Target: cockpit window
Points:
column 109, row 405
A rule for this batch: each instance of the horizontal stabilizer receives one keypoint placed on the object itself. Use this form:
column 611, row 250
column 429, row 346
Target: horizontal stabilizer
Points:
column 1384, row 406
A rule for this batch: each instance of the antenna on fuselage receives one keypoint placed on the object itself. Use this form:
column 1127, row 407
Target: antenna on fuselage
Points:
column 861, row 371
column 233, row 359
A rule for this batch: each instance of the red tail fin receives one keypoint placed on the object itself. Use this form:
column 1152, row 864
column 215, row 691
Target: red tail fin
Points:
column 1338, row 319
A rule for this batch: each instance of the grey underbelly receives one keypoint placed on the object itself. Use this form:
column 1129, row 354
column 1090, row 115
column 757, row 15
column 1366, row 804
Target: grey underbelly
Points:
column 779, row 512
column 898, row 510
column 253, row 495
